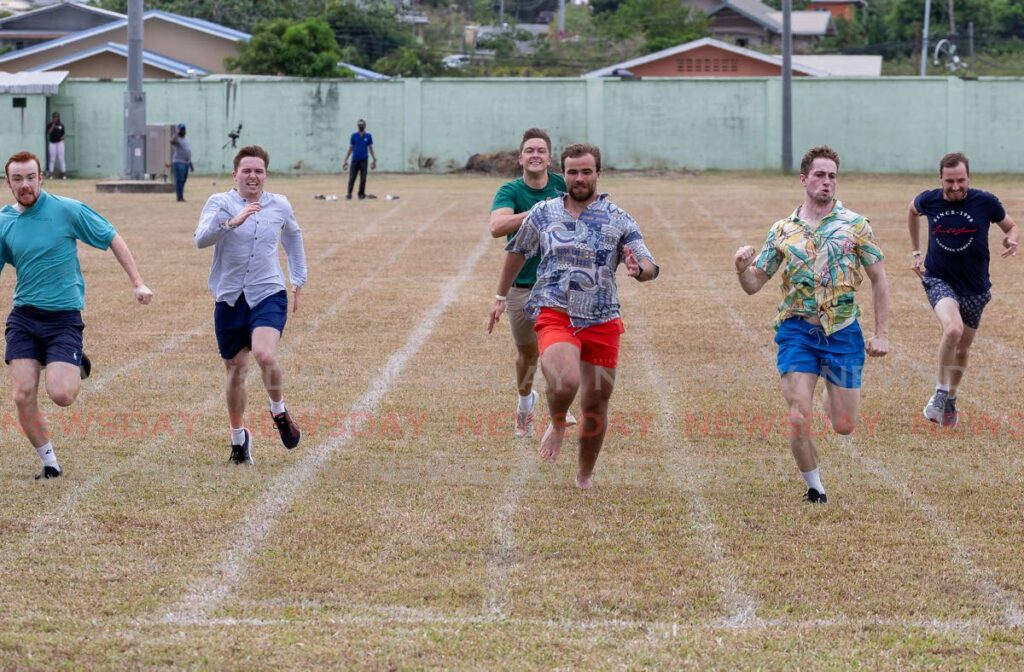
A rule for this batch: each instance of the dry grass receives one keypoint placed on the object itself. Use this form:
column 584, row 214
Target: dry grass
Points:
column 427, row 536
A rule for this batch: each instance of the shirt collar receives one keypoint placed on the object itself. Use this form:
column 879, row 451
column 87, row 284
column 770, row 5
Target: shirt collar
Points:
column 238, row 197
column 795, row 217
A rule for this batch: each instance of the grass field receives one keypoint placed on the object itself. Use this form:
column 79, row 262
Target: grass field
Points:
column 411, row 530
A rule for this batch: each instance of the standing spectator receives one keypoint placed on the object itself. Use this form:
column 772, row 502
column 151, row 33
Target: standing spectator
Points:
column 181, row 161
column 360, row 148
column 55, row 135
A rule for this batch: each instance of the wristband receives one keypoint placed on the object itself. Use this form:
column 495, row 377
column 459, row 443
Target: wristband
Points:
column 499, row 297
column 916, row 253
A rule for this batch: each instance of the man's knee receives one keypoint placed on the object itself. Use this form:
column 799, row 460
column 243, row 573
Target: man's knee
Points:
column 265, row 357
column 844, row 424
column 953, row 331
column 63, row 396
column 24, row 395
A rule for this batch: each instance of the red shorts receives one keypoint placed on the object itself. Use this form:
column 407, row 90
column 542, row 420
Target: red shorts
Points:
column 598, row 345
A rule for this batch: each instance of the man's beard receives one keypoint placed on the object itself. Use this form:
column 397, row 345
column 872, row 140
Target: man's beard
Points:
column 22, row 196
column 958, row 196
column 589, row 191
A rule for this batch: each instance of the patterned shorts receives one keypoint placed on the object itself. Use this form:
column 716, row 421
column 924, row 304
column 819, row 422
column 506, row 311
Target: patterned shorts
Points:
column 971, row 306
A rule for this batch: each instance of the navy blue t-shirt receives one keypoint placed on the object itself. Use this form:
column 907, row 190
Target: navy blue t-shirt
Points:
column 958, row 238
column 360, row 146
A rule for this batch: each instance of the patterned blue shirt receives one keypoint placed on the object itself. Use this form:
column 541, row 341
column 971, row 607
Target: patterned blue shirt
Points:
column 578, row 258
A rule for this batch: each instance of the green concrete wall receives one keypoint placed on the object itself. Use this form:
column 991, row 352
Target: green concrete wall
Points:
column 894, row 124
column 23, row 128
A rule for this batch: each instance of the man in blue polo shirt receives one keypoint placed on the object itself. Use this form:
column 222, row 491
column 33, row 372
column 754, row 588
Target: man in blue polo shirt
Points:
column 360, row 148
column 955, row 271
column 38, row 237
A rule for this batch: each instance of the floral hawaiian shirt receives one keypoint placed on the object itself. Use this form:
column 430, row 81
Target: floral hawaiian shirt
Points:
column 821, row 267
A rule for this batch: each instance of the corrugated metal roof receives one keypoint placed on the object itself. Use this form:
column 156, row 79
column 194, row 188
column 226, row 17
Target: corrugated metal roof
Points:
column 150, row 58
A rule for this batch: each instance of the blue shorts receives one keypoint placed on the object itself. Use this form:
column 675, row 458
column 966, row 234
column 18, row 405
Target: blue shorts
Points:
column 234, row 324
column 44, row 335
column 804, row 348
column 971, row 306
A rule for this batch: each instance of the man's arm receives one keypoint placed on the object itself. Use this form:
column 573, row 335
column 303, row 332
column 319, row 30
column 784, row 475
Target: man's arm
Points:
column 1012, row 237
column 751, row 278
column 878, row 345
column 504, row 221
column 513, row 264
column 914, row 228
column 124, row 257
column 344, row 163
column 373, row 163
column 295, row 249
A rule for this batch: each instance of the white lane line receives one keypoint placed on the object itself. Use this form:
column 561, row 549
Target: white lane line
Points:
column 503, row 561
column 206, row 594
column 961, row 556
column 736, row 600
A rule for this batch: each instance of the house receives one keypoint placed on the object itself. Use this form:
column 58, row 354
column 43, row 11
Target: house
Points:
column 708, row 57
column 176, row 46
column 52, row 22
column 751, row 23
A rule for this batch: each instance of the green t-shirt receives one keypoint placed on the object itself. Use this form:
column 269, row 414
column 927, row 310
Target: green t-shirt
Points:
column 41, row 243
column 520, row 197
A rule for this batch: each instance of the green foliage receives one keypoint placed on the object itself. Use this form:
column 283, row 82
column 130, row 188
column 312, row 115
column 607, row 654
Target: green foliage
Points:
column 408, row 62
column 296, row 48
column 663, row 23
column 371, row 30
column 242, row 15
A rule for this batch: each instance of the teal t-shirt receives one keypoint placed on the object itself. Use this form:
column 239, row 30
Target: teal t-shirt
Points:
column 41, row 244
column 520, row 197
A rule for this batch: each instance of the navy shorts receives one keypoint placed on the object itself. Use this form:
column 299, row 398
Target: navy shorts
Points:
column 804, row 348
column 234, row 324
column 971, row 306
column 44, row 335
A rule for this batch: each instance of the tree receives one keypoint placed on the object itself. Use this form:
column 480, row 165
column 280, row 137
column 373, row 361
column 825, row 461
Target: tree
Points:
column 372, row 30
column 285, row 47
column 241, row 15
column 663, row 23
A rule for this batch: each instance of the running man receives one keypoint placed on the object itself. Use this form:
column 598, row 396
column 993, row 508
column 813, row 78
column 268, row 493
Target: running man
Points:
column 245, row 226
column 821, row 248
column 581, row 239
column 39, row 237
column 508, row 210
column 955, row 271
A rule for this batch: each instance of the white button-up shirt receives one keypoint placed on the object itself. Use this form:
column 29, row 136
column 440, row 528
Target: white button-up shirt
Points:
column 245, row 258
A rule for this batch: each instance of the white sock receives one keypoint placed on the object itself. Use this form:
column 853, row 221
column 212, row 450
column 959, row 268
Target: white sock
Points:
column 47, row 455
column 526, row 403
column 277, row 407
column 813, row 480
column 237, row 436
column 941, row 387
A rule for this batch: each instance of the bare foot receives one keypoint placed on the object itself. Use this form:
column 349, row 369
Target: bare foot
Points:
column 551, row 444
column 584, row 482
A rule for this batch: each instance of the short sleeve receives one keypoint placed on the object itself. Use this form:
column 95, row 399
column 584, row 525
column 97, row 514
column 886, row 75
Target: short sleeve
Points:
column 769, row 258
column 997, row 212
column 527, row 238
column 868, row 250
column 504, row 198
column 919, row 202
column 634, row 240
column 91, row 228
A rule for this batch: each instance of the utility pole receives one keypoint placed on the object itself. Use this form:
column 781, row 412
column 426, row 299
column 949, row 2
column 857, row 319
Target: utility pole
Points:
column 561, row 19
column 924, row 38
column 952, row 20
column 787, row 86
column 135, row 98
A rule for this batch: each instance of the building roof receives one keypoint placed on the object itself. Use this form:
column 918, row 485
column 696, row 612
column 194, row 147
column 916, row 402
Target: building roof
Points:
column 803, row 22
column 363, row 73
column 14, row 19
column 150, row 58
column 705, row 42
column 32, row 82
column 859, row 3
column 214, row 29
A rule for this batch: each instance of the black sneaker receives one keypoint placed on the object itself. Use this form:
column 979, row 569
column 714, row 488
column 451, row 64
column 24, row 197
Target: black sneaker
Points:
column 242, row 454
column 289, row 431
column 348, row 197
column 85, row 367
column 815, row 497
column 49, row 472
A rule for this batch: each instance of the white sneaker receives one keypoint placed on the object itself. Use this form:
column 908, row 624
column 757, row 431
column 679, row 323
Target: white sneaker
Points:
column 936, row 407
column 524, row 419
column 570, row 419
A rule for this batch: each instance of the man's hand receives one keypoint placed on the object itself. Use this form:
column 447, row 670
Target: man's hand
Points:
column 877, row 346
column 344, row 166
column 633, row 267
column 1011, row 247
column 917, row 265
column 373, row 164
column 143, row 294
column 295, row 301
column 240, row 218
column 744, row 258
column 497, row 308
